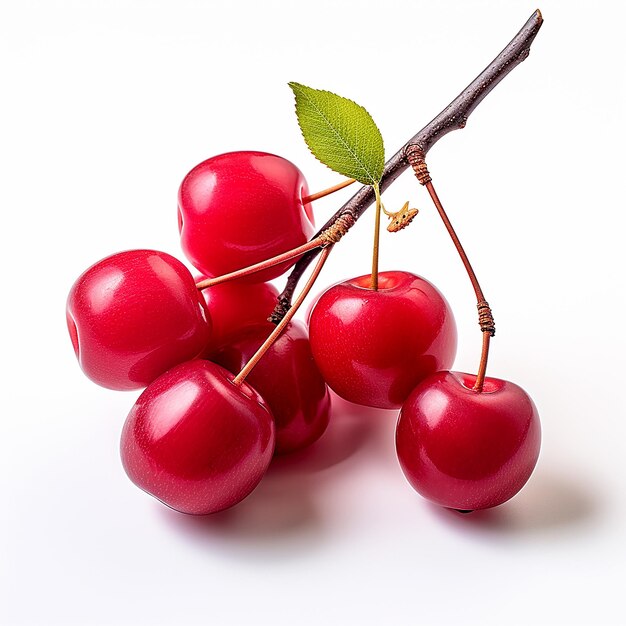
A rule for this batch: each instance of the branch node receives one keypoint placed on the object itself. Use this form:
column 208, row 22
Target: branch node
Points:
column 485, row 318
column 280, row 310
column 416, row 158
column 335, row 232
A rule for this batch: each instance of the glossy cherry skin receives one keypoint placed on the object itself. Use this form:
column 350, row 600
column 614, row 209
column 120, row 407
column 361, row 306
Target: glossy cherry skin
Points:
column 467, row 450
column 373, row 347
column 235, row 306
column 288, row 379
column 196, row 441
column 241, row 208
column 133, row 315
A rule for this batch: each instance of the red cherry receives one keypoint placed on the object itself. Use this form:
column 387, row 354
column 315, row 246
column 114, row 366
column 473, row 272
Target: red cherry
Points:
column 133, row 315
column 373, row 347
column 234, row 306
column 196, row 441
column 288, row 379
column 241, row 208
column 464, row 449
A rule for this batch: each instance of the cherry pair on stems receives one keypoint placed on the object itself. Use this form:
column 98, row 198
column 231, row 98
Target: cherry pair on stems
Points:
column 373, row 347
column 458, row 447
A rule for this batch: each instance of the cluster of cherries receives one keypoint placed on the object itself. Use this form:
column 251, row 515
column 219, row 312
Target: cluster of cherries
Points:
column 200, row 438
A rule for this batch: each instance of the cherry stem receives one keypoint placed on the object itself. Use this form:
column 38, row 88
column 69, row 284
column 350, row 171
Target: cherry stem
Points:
column 376, row 247
column 327, row 192
column 482, row 366
column 485, row 318
column 256, row 357
column 258, row 267
column 456, row 241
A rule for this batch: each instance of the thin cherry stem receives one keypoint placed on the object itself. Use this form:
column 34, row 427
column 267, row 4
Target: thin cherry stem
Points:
column 482, row 367
column 376, row 248
column 286, row 319
column 258, row 267
column 457, row 243
column 327, row 192
column 485, row 318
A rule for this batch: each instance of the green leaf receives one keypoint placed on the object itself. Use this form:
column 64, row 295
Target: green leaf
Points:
column 340, row 133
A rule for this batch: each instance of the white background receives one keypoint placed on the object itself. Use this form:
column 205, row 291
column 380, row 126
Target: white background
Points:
column 104, row 108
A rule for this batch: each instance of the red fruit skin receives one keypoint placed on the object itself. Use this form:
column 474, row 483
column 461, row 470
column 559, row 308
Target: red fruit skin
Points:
column 235, row 306
column 288, row 379
column 468, row 450
column 373, row 347
column 241, row 208
column 196, row 441
column 134, row 315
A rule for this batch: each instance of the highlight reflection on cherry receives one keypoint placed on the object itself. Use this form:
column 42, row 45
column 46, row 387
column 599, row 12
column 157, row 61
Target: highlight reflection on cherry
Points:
column 373, row 347
column 465, row 449
column 196, row 441
column 240, row 208
column 133, row 315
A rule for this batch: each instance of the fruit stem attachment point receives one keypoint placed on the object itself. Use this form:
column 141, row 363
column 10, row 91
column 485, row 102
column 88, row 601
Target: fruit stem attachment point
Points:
column 327, row 192
column 376, row 247
column 329, row 236
column 482, row 367
column 485, row 318
column 256, row 357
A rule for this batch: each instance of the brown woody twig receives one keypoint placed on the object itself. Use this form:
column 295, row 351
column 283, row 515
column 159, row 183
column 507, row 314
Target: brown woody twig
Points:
column 453, row 117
